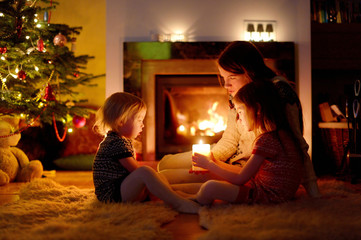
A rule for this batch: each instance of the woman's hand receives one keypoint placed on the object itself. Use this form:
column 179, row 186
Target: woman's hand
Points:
column 200, row 160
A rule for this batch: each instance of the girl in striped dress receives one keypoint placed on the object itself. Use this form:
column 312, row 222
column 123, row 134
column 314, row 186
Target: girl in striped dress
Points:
column 240, row 63
column 273, row 172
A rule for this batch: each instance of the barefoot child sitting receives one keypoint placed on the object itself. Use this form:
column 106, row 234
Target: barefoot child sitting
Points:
column 273, row 172
column 116, row 174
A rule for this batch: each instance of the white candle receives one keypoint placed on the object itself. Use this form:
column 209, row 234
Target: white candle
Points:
column 204, row 149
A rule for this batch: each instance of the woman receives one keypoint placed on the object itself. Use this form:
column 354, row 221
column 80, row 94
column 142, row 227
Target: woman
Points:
column 241, row 63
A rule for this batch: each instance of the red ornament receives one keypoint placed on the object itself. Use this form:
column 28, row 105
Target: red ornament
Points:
column 60, row 40
column 3, row 50
column 76, row 74
column 19, row 26
column 49, row 95
column 21, row 75
column 79, row 121
column 40, row 45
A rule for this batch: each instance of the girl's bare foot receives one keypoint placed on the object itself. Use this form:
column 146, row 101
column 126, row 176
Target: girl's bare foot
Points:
column 188, row 206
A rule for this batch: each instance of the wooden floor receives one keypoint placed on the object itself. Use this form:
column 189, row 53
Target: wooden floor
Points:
column 184, row 227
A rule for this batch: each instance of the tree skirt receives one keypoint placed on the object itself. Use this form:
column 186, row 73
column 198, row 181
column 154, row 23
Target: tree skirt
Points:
column 48, row 210
column 334, row 216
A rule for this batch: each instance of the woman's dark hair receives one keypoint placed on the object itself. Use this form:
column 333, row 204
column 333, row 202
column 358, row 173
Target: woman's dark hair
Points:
column 241, row 57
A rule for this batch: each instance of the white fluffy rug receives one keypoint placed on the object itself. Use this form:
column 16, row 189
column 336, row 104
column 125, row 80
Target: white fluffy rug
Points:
column 337, row 215
column 47, row 210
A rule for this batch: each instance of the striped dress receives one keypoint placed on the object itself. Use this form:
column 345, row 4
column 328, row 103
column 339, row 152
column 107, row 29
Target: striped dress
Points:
column 280, row 174
column 108, row 173
column 236, row 142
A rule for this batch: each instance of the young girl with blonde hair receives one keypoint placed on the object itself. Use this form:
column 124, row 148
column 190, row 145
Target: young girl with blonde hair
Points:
column 117, row 176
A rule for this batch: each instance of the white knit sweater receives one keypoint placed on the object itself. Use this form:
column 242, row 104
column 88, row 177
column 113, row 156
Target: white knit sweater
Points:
column 236, row 142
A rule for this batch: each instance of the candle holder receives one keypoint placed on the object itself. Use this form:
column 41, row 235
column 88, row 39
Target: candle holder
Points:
column 260, row 31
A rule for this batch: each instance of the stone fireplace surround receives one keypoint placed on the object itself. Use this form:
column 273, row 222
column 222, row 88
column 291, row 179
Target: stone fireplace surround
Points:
column 144, row 60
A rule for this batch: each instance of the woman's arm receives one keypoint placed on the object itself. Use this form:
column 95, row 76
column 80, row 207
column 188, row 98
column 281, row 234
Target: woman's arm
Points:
column 231, row 175
column 293, row 110
column 129, row 163
column 236, row 142
column 228, row 144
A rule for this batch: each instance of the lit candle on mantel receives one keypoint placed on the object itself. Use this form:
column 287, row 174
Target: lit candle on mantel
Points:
column 204, row 149
column 181, row 130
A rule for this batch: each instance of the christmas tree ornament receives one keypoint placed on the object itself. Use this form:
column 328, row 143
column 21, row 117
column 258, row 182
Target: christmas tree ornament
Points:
column 49, row 95
column 60, row 40
column 21, row 75
column 73, row 44
column 46, row 16
column 3, row 50
column 79, row 121
column 29, row 50
column 40, row 45
column 19, row 26
column 61, row 139
column 49, row 15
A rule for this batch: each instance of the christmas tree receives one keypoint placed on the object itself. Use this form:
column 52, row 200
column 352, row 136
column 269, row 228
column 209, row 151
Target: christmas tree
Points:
column 38, row 70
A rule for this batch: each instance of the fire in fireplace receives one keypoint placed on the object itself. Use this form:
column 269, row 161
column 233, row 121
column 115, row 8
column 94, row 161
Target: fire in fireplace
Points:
column 189, row 108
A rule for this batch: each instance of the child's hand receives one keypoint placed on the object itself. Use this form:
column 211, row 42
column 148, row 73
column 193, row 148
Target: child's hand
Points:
column 200, row 160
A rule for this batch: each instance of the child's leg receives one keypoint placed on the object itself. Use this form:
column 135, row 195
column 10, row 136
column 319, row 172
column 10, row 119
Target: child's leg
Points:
column 175, row 168
column 219, row 190
column 176, row 161
column 178, row 176
column 189, row 188
column 146, row 176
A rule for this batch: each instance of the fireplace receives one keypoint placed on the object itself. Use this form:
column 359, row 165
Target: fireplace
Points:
column 189, row 109
column 178, row 81
column 173, row 78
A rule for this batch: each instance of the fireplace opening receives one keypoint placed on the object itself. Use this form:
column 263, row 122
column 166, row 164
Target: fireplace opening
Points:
column 189, row 108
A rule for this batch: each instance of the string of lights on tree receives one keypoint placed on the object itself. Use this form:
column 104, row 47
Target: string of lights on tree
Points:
column 38, row 70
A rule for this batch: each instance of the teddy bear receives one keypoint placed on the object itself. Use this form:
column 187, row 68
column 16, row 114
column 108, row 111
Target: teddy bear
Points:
column 14, row 163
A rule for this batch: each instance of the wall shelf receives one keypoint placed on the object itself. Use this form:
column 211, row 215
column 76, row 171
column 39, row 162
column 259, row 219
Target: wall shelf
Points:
column 336, row 64
column 336, row 46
